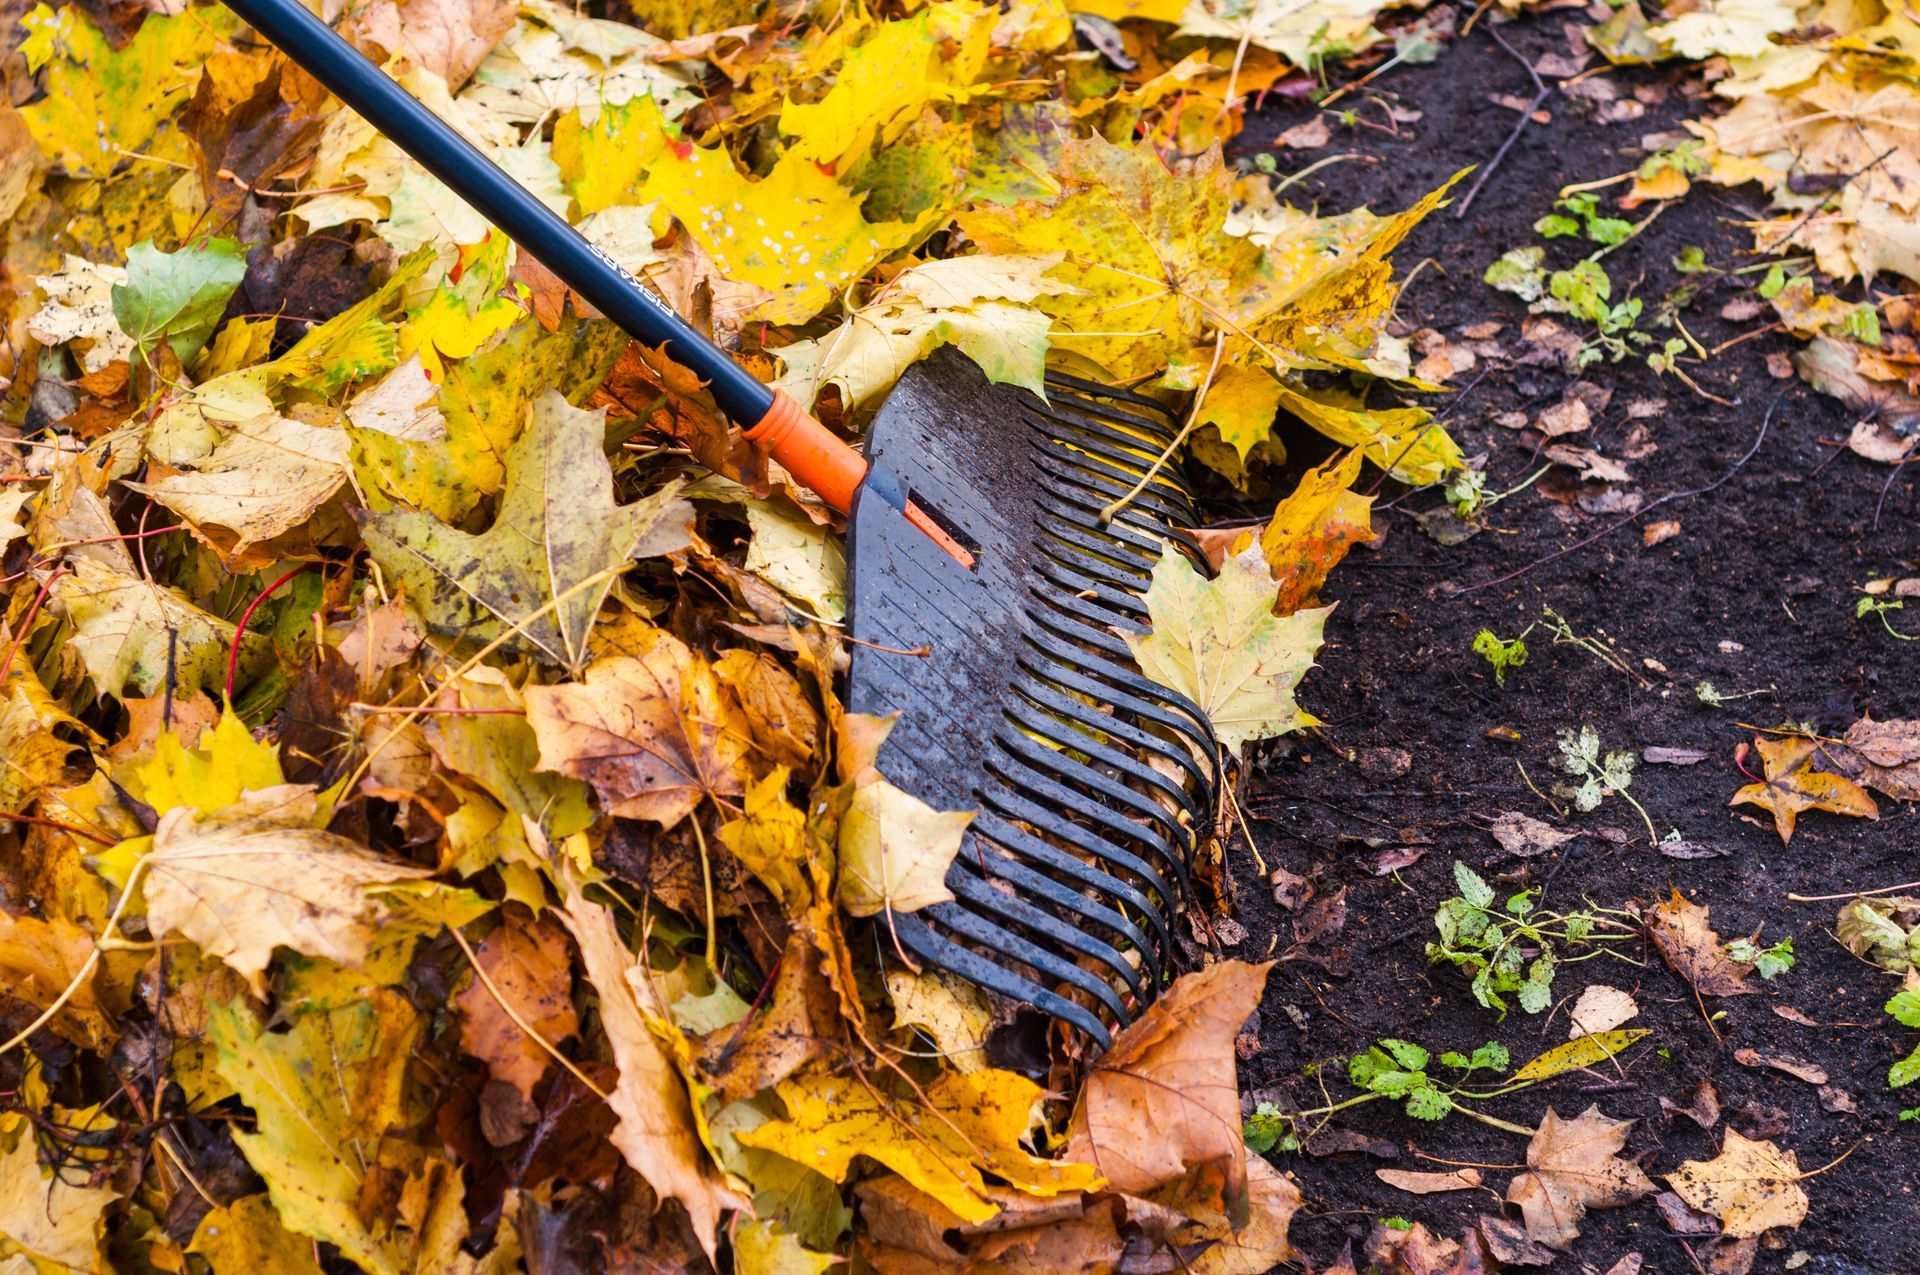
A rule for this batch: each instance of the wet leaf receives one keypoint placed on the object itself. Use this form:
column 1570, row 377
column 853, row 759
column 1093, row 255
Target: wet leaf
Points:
column 1752, row 1186
column 1219, row 643
column 1693, row 950
column 1793, row 785
column 1575, row 1166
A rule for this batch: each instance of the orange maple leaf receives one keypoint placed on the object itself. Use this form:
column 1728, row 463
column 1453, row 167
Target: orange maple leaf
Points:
column 1793, row 785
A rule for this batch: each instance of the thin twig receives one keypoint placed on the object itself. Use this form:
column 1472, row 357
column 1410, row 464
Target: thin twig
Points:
column 1193, row 419
column 1540, row 92
column 1638, row 514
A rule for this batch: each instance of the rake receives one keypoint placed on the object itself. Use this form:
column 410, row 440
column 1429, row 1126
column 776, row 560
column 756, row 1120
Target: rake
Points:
column 976, row 530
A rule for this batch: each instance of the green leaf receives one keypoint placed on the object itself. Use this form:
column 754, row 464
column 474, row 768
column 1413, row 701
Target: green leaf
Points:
column 1904, row 1072
column 1474, row 890
column 1263, row 1128
column 1905, row 1008
column 177, row 297
column 1406, row 1053
column 1537, row 992
column 1519, row 272
column 1428, row 1103
column 1556, row 226
column 1608, row 230
column 1575, row 1054
column 1493, row 1055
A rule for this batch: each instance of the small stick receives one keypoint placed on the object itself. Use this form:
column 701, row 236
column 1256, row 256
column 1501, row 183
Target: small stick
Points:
column 1540, row 92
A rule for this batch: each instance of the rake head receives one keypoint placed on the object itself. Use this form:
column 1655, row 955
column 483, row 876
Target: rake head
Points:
column 1093, row 782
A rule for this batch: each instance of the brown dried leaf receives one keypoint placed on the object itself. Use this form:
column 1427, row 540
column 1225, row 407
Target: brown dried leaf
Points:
column 1429, row 1183
column 1576, row 1167
column 530, row 966
column 1163, row 1103
column 656, row 1132
column 1689, row 945
column 653, row 734
column 1799, row 1068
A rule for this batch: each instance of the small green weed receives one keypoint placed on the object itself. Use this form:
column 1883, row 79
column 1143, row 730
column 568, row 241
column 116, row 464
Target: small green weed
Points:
column 1503, row 655
column 1883, row 607
column 1601, row 775
column 1513, row 949
column 1768, row 962
column 1267, row 1129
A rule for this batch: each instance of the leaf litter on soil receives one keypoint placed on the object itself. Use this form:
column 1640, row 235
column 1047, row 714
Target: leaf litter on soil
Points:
column 419, row 763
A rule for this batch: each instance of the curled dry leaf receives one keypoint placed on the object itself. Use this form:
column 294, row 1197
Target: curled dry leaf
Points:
column 656, row 1132
column 1799, row 1068
column 1689, row 945
column 1163, row 1103
column 1576, row 1166
column 1751, row 1186
column 1884, row 756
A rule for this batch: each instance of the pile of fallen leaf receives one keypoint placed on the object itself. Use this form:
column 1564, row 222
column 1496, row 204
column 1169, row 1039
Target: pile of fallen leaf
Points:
column 434, row 839
column 1823, row 116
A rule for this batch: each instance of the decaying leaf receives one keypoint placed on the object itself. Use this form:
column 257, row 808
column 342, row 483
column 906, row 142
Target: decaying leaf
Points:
column 1575, row 1166
column 1752, row 1186
column 1884, row 929
column 1792, row 784
column 1163, row 1103
column 257, row 875
column 1693, row 950
column 653, row 733
column 1219, row 643
column 1419, row 1183
column 536, row 577
column 529, row 969
column 1600, row 1009
column 1582, row 1051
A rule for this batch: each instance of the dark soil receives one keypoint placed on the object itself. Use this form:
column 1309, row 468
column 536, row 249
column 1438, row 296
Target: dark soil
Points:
column 1757, row 590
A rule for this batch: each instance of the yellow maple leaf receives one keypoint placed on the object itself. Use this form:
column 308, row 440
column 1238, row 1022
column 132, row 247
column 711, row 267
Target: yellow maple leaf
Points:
column 1792, row 784
column 102, row 103
column 884, row 83
column 1218, row 643
column 1144, row 247
column 1312, row 529
column 796, row 231
column 972, row 1122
